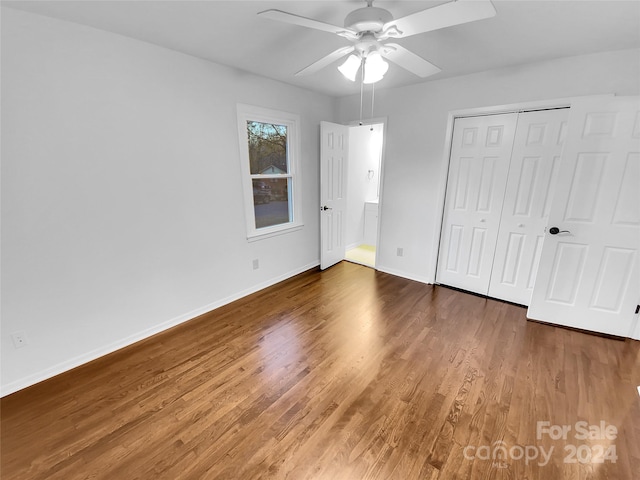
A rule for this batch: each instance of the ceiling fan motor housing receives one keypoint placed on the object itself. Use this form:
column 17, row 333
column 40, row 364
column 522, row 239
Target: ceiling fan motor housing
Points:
column 367, row 19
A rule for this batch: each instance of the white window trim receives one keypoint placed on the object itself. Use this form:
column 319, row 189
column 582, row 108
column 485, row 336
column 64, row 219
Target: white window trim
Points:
column 292, row 122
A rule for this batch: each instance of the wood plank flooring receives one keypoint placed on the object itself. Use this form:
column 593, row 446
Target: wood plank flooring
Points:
column 344, row 374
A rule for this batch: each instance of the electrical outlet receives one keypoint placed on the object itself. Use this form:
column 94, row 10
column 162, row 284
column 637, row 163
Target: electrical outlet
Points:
column 400, row 252
column 256, row 264
column 19, row 339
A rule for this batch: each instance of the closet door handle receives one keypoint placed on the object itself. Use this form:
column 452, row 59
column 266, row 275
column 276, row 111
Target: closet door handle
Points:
column 556, row 230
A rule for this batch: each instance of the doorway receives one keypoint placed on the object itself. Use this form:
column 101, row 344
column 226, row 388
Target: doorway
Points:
column 363, row 192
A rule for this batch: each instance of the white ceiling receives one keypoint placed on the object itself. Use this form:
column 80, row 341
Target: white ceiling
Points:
column 230, row 33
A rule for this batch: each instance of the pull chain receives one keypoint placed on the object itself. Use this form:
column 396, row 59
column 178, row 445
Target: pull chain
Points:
column 362, row 65
column 373, row 96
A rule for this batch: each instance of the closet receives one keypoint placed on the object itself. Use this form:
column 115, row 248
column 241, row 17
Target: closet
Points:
column 502, row 174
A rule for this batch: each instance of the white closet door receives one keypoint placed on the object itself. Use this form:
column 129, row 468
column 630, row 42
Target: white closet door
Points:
column 588, row 277
column 478, row 168
column 532, row 176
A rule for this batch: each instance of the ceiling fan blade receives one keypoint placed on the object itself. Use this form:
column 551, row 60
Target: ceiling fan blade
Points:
column 291, row 18
column 324, row 61
column 446, row 15
column 408, row 60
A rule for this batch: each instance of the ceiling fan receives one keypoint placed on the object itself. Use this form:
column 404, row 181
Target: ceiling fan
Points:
column 370, row 27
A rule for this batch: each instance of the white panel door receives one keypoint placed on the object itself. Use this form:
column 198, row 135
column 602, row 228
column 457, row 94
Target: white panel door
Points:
column 478, row 167
column 588, row 276
column 532, row 176
column 333, row 196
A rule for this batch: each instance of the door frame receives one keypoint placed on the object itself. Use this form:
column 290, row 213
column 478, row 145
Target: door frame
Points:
column 384, row 122
column 519, row 107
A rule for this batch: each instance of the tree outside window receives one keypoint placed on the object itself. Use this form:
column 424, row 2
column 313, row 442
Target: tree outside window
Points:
column 269, row 167
column 268, row 144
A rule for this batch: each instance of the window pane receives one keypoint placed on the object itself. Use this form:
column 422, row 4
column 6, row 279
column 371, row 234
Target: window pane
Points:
column 267, row 148
column 271, row 202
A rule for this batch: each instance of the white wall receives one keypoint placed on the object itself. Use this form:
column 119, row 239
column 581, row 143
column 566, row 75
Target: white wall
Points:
column 415, row 139
column 122, row 207
column 365, row 148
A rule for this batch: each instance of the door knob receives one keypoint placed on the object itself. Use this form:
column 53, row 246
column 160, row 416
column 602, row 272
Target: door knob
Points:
column 556, row 230
column 323, row 208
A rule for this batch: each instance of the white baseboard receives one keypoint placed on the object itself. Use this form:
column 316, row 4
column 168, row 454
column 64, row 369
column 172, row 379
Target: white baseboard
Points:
column 352, row 246
column 408, row 276
column 131, row 339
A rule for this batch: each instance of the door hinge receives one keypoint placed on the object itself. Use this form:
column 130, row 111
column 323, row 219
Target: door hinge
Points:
column 637, row 309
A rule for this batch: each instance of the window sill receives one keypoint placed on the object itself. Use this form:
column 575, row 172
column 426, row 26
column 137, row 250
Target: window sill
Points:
column 268, row 233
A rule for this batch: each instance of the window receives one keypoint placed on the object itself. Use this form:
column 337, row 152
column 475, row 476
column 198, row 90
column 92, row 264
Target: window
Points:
column 269, row 154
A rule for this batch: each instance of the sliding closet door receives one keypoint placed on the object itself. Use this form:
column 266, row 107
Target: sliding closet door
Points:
column 478, row 169
column 532, row 176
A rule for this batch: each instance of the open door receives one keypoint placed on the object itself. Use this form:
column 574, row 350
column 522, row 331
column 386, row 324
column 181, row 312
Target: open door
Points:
column 588, row 276
column 334, row 151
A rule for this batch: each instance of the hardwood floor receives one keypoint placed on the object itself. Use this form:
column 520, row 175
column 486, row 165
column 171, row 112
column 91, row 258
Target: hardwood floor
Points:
column 345, row 374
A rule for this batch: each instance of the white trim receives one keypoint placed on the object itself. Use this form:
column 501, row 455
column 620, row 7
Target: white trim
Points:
column 522, row 106
column 353, row 245
column 131, row 339
column 292, row 122
column 274, row 232
column 399, row 273
column 368, row 121
column 383, row 163
column 479, row 111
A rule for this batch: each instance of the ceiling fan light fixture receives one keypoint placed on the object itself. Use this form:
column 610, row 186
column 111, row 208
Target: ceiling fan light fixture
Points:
column 374, row 68
column 366, row 28
column 350, row 67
